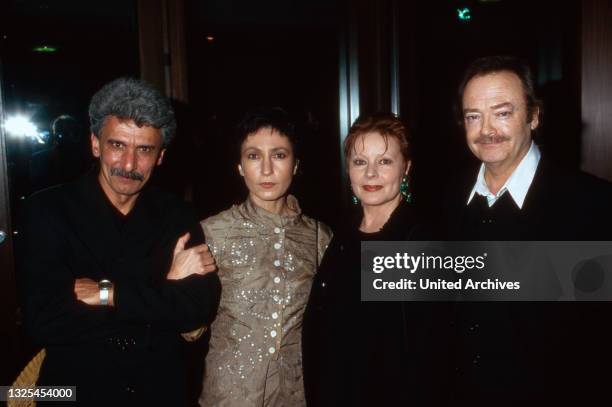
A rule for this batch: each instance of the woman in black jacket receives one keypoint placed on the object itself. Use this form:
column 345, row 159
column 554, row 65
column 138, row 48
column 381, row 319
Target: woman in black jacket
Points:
column 366, row 353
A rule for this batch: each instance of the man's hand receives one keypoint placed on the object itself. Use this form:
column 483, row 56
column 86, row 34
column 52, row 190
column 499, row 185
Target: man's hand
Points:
column 87, row 291
column 197, row 260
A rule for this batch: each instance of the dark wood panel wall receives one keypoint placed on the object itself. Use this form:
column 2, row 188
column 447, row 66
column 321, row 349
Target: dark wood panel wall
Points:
column 177, row 49
column 597, row 87
column 161, row 36
column 375, row 41
column 151, row 42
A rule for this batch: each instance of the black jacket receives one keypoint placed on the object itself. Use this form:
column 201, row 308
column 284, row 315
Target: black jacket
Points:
column 548, row 353
column 560, row 205
column 368, row 353
column 131, row 352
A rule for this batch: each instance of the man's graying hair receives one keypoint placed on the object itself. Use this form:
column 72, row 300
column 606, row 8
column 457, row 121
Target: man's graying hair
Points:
column 132, row 99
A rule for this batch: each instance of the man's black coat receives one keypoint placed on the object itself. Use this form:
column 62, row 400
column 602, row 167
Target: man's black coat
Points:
column 560, row 205
column 129, row 352
column 547, row 353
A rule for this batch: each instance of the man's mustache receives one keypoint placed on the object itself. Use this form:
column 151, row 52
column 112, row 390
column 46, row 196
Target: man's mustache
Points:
column 127, row 174
column 491, row 139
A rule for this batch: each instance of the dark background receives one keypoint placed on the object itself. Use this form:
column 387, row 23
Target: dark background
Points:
column 283, row 53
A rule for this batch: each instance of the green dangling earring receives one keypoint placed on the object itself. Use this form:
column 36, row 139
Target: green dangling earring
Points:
column 404, row 190
column 354, row 198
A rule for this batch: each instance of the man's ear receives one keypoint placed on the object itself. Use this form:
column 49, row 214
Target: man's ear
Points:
column 240, row 171
column 161, row 156
column 95, row 145
column 535, row 119
column 295, row 167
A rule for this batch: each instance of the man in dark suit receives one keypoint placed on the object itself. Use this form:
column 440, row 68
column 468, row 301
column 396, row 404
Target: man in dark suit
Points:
column 512, row 353
column 107, row 280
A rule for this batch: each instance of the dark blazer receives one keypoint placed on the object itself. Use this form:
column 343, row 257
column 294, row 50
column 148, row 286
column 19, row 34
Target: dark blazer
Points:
column 129, row 353
column 368, row 353
column 547, row 353
column 560, row 205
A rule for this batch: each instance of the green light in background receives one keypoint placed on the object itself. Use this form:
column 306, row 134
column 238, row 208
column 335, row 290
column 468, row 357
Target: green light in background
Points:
column 464, row 14
column 44, row 48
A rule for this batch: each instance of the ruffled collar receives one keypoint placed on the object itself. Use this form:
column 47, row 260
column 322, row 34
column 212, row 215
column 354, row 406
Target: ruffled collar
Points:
column 256, row 214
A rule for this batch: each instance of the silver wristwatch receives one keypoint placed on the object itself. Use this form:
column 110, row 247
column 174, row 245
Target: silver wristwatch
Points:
column 104, row 286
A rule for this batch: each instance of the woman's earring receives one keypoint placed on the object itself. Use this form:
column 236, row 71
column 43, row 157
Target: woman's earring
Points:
column 405, row 191
column 354, row 198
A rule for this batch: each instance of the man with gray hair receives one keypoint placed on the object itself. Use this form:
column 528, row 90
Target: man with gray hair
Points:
column 113, row 270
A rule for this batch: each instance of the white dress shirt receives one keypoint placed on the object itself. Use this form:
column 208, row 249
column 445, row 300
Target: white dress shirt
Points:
column 517, row 184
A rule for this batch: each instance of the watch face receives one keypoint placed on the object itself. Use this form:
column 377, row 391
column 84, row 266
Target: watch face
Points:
column 105, row 285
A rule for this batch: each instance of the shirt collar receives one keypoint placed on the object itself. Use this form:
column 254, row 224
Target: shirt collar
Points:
column 250, row 211
column 517, row 184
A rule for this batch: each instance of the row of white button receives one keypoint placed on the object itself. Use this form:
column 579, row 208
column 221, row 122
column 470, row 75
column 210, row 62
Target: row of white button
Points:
column 277, row 280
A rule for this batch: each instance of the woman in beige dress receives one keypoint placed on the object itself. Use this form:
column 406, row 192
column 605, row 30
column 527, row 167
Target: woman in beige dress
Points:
column 267, row 253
